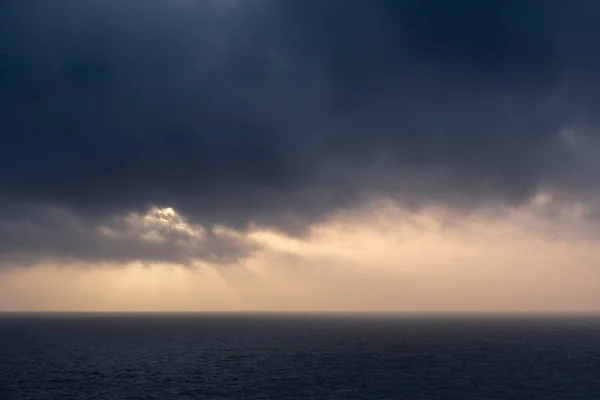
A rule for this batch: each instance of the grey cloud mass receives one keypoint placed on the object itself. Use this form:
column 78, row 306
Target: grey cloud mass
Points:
column 54, row 235
column 277, row 112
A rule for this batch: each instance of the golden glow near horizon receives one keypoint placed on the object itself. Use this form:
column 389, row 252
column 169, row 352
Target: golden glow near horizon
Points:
column 380, row 258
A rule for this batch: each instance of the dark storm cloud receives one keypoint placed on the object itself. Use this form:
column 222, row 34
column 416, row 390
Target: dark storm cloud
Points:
column 277, row 112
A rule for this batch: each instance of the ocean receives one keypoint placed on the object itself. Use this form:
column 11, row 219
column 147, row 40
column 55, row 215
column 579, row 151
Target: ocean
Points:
column 298, row 356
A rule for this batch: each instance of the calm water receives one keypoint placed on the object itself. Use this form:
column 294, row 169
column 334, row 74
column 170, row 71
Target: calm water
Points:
column 246, row 357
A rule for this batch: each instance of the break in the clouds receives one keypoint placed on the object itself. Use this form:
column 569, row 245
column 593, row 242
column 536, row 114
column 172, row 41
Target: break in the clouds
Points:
column 277, row 112
column 158, row 236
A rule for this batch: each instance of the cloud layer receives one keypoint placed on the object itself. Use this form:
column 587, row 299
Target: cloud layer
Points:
column 276, row 113
column 159, row 236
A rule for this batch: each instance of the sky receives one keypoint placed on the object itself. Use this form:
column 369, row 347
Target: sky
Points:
column 369, row 155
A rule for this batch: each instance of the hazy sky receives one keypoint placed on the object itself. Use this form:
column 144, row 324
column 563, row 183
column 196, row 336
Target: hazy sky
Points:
column 299, row 155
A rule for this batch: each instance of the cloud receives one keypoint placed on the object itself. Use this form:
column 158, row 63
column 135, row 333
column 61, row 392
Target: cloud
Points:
column 277, row 114
column 158, row 236
column 378, row 259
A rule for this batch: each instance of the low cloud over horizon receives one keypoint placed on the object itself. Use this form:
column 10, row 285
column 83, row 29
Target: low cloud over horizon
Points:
column 184, row 132
column 381, row 258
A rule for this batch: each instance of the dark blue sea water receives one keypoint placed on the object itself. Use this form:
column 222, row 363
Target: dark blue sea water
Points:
column 275, row 356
